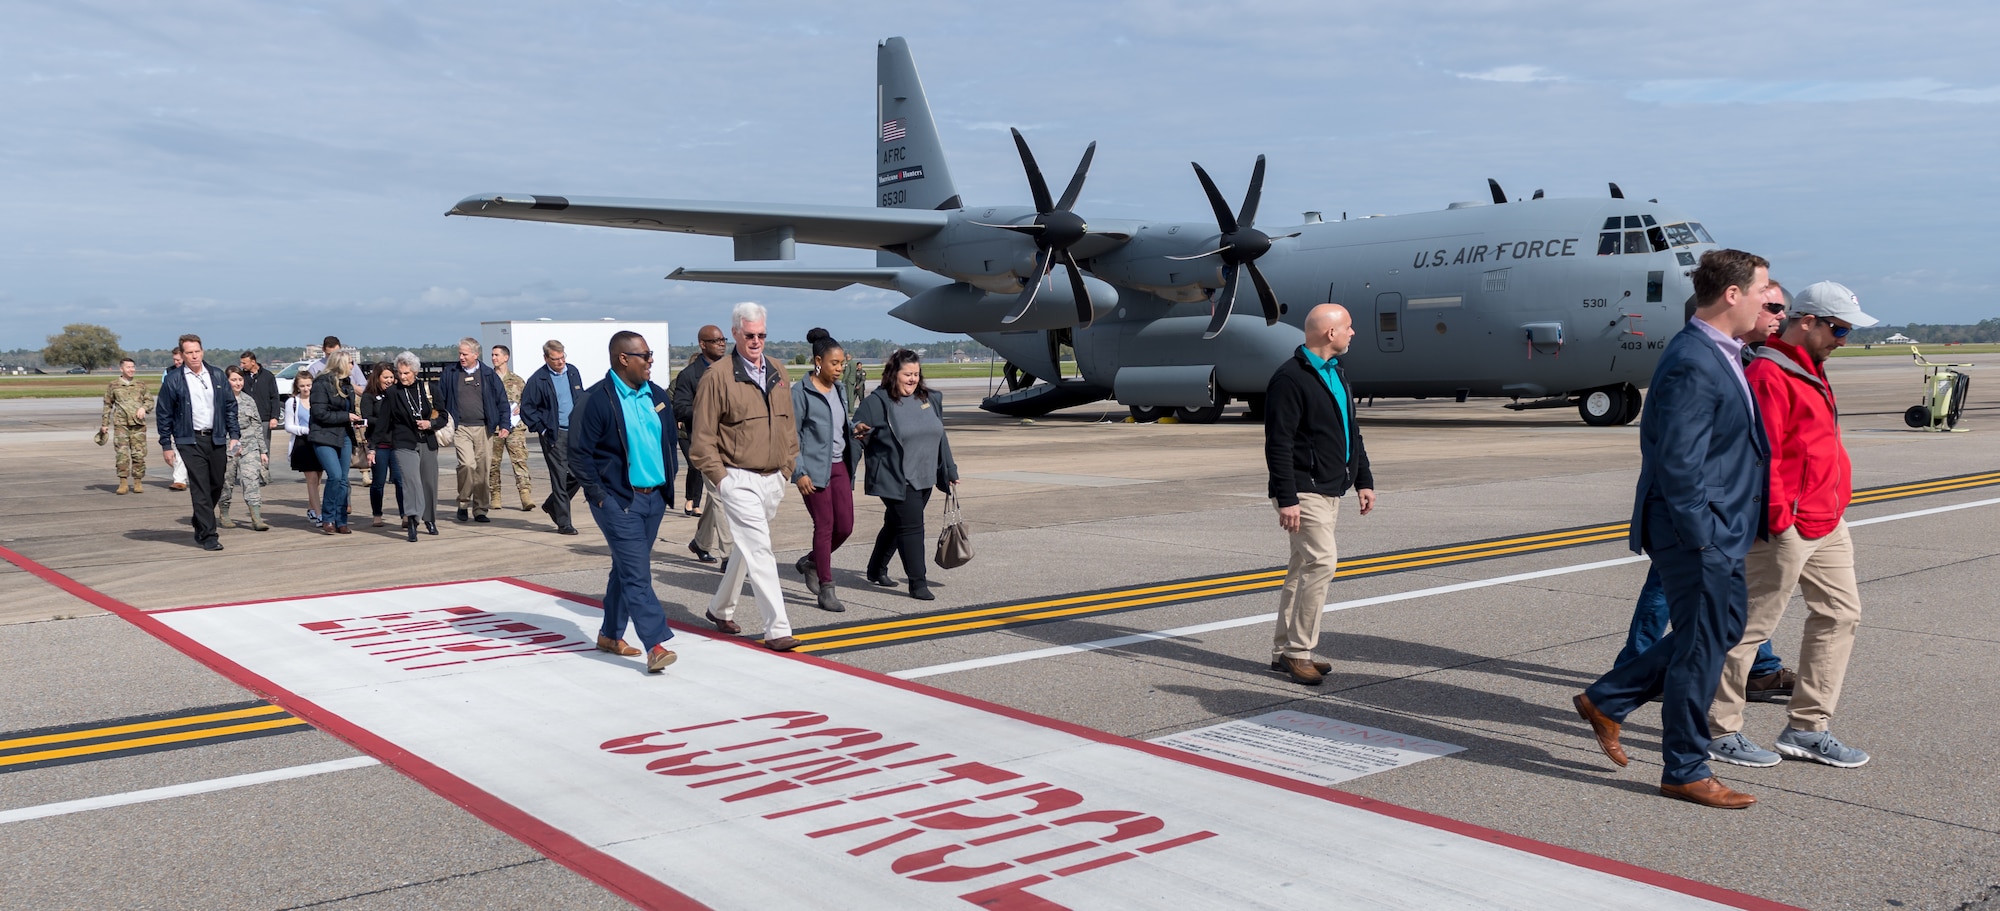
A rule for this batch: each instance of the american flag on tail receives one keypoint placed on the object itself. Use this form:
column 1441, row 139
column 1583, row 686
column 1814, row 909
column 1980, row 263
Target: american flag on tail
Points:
column 892, row 130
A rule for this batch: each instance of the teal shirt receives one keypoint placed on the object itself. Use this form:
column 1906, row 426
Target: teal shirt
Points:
column 643, row 463
column 1331, row 377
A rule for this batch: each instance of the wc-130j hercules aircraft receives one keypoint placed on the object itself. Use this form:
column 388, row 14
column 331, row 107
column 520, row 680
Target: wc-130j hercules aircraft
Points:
column 1549, row 302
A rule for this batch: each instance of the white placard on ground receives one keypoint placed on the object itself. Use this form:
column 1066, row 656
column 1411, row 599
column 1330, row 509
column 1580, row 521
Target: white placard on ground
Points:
column 1307, row 747
column 742, row 778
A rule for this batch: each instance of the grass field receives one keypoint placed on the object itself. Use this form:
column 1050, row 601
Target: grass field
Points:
column 62, row 386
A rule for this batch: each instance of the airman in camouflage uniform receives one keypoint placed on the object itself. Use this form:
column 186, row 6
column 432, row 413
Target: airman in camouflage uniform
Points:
column 126, row 404
column 246, row 464
column 516, row 443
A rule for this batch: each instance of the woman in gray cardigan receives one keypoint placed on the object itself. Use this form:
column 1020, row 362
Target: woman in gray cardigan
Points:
column 825, row 473
column 901, row 424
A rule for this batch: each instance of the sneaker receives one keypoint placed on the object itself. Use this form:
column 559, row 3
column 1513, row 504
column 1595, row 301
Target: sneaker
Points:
column 1772, row 686
column 1738, row 750
column 1820, row 746
column 312, row 515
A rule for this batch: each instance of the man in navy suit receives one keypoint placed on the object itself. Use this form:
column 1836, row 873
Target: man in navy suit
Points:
column 196, row 411
column 1698, row 507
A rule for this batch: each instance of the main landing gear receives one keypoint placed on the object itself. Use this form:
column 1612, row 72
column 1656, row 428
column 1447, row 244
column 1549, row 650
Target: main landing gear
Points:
column 1609, row 406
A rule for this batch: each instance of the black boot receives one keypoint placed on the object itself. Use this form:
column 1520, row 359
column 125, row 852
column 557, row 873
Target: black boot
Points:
column 881, row 577
column 410, row 528
column 921, row 590
column 430, row 528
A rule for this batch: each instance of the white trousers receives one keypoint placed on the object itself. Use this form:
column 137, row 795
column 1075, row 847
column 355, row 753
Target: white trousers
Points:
column 750, row 501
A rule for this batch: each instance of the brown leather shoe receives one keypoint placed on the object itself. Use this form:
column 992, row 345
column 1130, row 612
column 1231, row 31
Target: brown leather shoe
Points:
column 342, row 530
column 615, row 646
column 727, row 626
column 1302, row 670
column 1709, row 793
column 1324, row 667
column 658, row 659
column 1605, row 729
column 781, row 644
column 326, row 528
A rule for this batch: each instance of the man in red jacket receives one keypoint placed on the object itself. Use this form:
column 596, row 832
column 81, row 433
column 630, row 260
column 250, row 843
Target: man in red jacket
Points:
column 1808, row 547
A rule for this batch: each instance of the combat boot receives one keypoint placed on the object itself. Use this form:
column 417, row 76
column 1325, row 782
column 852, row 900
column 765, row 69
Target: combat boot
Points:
column 257, row 519
column 222, row 514
column 138, row 486
column 527, row 503
column 124, row 487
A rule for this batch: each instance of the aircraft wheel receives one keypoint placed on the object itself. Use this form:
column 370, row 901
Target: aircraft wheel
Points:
column 1634, row 401
column 1208, row 415
column 1918, row 416
column 1602, row 407
column 1147, row 414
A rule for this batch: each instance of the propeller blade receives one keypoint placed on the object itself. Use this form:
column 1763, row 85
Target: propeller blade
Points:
column 1076, row 182
column 1248, row 216
column 1035, row 182
column 1209, row 253
column 1027, row 298
column 1223, row 303
column 1223, row 218
column 1018, row 229
column 1264, row 294
column 1084, row 313
column 1283, row 236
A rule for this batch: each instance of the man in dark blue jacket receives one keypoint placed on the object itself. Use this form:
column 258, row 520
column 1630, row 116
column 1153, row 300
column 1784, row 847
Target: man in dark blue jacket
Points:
column 621, row 449
column 1313, row 451
column 1698, row 507
column 547, row 402
column 477, row 402
column 196, row 412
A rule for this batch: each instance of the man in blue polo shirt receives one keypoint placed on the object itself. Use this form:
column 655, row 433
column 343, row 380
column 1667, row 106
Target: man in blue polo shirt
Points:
column 546, row 404
column 621, row 449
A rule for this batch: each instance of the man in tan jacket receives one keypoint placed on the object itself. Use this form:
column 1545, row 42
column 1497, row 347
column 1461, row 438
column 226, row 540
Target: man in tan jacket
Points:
column 744, row 441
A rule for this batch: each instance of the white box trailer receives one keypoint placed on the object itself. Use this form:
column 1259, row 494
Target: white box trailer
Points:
column 585, row 342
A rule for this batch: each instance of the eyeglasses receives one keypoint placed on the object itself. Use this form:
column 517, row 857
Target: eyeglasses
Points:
column 1774, row 307
column 712, row 341
column 646, row 356
column 756, row 335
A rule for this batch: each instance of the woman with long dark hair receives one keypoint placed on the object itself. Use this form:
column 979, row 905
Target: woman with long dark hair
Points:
column 381, row 453
column 825, row 473
column 901, row 424
column 334, row 418
column 411, row 417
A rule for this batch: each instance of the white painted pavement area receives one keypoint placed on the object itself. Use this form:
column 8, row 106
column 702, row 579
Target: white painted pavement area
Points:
column 745, row 779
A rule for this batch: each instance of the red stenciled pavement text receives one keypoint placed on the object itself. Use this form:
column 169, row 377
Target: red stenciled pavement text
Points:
column 414, row 640
column 1034, row 832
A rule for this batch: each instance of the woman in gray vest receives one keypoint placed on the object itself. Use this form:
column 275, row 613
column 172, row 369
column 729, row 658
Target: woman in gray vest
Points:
column 825, row 473
column 901, row 424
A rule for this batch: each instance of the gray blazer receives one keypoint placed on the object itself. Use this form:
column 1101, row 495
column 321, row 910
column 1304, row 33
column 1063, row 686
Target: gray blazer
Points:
column 885, row 452
column 816, row 429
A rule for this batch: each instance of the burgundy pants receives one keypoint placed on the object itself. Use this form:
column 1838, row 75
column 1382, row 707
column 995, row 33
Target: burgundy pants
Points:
column 832, row 509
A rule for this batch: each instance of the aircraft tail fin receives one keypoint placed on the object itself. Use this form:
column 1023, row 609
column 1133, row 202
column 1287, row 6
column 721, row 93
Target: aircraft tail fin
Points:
column 909, row 158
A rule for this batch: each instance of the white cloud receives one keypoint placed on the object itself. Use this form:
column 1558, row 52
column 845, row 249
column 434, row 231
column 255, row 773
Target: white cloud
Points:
column 1739, row 91
column 1520, row 72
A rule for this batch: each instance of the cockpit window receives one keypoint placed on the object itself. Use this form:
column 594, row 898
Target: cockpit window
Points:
column 1643, row 234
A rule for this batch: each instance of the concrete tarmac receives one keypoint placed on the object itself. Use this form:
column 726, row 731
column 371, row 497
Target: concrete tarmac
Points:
column 1075, row 502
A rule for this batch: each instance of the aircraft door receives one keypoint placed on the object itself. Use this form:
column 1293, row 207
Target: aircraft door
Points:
column 1389, row 321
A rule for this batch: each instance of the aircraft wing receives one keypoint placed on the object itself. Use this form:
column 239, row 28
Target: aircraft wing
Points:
column 886, row 277
column 837, row 226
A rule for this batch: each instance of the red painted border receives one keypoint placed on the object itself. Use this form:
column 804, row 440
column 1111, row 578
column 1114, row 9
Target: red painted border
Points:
column 623, row 880
column 645, row 891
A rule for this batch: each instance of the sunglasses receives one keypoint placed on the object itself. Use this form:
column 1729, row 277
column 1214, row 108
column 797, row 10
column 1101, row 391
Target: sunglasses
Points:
column 646, row 356
column 712, row 341
column 1774, row 307
column 756, row 335
column 1840, row 331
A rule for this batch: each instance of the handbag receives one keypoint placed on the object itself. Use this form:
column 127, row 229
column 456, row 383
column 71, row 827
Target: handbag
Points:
column 954, row 544
column 444, row 434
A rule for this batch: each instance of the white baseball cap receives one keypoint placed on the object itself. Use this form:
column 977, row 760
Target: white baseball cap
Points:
column 1832, row 300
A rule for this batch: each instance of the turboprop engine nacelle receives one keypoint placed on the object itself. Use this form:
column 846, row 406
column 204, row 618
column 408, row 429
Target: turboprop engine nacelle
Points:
column 959, row 307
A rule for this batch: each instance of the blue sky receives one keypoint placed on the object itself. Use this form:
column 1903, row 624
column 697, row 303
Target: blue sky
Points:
column 270, row 172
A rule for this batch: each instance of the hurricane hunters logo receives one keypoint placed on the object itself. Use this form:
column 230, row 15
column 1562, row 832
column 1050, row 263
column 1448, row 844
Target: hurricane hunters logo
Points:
column 899, row 175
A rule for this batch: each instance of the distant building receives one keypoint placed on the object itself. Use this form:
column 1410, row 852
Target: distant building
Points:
column 1899, row 339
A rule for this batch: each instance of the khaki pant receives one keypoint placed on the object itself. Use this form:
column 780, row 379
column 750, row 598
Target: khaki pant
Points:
column 1303, row 596
column 516, row 446
column 474, row 449
column 128, row 448
column 1824, row 569
column 712, row 532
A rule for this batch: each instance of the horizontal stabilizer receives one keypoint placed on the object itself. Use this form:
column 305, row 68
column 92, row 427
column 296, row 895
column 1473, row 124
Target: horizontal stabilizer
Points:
column 864, row 227
column 809, row 279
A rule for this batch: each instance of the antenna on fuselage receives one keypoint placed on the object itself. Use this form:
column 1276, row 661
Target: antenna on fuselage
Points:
column 1617, row 193
column 1499, row 195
